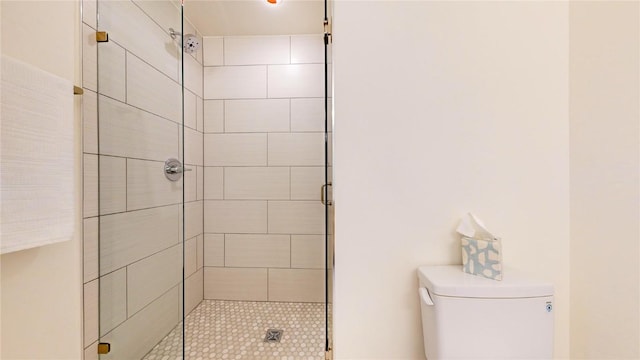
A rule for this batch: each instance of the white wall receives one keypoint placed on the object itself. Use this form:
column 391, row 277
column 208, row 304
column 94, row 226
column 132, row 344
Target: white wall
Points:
column 42, row 287
column 443, row 108
column 605, row 182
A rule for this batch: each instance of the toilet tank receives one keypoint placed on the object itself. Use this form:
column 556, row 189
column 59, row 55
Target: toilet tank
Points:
column 470, row 317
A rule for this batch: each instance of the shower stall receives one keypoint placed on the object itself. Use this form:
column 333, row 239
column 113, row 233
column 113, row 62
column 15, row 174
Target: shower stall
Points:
column 207, row 180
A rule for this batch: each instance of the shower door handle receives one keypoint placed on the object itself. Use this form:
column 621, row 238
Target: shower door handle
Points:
column 322, row 197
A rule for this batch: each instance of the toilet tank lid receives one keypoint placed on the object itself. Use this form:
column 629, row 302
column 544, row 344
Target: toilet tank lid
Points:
column 450, row 280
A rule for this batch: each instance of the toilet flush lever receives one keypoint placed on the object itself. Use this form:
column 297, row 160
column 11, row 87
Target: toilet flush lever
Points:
column 424, row 295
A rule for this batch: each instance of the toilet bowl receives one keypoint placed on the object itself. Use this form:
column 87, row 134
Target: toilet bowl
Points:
column 469, row 317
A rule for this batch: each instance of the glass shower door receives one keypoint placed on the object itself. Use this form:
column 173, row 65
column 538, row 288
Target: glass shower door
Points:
column 140, row 177
column 327, row 193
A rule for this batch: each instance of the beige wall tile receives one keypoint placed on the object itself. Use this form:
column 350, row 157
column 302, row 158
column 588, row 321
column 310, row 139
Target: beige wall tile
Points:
column 193, row 219
column 296, row 217
column 91, row 352
column 130, row 132
column 190, row 180
column 306, row 182
column 199, row 182
column 194, row 292
column 199, row 251
column 259, row 115
column 296, row 285
column 193, row 75
column 307, row 251
column 164, row 13
column 190, row 256
column 153, row 91
column 148, row 187
column 307, row 115
column 257, row 250
column 89, row 8
column 199, row 114
column 90, row 248
column 128, row 237
column 256, row 183
column 213, row 249
column 307, row 49
column 130, row 27
column 89, row 58
column 235, row 82
column 235, row 149
column 255, row 50
column 113, row 185
column 90, row 185
column 113, row 300
column 296, row 149
column 296, row 81
column 190, row 115
column 111, row 70
column 235, row 284
column 212, row 47
column 149, row 278
column 213, row 183
column 235, row 216
column 154, row 321
column 90, row 122
column 91, row 311
column 192, row 147
column 213, row 116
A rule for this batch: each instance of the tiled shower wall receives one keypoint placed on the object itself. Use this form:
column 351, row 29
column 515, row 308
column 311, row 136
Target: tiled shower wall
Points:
column 264, row 168
column 137, row 212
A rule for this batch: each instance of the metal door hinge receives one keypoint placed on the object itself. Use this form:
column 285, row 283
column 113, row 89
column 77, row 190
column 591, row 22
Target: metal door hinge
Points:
column 104, row 348
column 327, row 32
column 328, row 355
column 102, row 36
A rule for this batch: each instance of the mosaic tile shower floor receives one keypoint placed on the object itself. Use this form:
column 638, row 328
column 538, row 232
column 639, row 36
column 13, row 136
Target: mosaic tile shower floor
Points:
column 236, row 329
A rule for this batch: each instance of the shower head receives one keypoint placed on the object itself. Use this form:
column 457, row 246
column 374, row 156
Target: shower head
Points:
column 190, row 42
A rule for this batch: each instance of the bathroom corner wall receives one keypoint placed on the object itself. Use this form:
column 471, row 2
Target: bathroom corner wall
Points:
column 605, row 179
column 264, row 168
column 132, row 123
column 447, row 107
column 41, row 290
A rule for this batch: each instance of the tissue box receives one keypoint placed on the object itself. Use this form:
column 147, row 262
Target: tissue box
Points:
column 482, row 257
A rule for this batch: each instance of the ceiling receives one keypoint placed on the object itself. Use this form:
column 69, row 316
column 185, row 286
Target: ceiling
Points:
column 255, row 17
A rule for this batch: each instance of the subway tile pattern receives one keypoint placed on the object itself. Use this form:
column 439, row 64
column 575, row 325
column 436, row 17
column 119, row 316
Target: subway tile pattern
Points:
column 264, row 123
column 236, row 330
column 132, row 123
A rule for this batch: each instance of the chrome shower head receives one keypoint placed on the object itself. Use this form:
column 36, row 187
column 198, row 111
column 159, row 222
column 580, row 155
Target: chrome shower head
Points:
column 190, row 42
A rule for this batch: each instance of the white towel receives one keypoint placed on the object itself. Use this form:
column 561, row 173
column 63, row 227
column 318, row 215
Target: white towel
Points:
column 37, row 174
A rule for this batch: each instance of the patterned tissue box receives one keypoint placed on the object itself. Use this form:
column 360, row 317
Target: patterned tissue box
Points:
column 482, row 257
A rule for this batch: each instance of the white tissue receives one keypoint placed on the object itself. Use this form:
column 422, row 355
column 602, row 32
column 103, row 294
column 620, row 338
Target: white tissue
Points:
column 472, row 227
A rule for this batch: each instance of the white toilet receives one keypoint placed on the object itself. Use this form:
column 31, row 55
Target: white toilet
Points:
column 469, row 317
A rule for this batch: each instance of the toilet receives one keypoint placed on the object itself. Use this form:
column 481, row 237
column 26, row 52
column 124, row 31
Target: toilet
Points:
column 470, row 317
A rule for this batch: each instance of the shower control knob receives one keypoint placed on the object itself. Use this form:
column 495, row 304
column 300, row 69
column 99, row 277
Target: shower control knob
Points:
column 173, row 169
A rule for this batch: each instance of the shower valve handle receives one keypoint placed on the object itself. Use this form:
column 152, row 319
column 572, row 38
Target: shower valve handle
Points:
column 173, row 169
